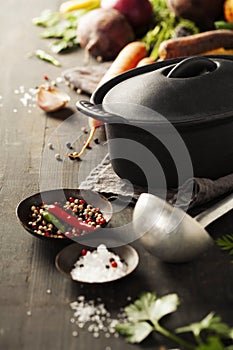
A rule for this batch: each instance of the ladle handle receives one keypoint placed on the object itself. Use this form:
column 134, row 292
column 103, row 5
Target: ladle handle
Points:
column 216, row 211
column 96, row 112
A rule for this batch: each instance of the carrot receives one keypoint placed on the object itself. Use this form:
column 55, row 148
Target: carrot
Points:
column 196, row 44
column 127, row 59
column 144, row 61
column 228, row 10
column 219, row 51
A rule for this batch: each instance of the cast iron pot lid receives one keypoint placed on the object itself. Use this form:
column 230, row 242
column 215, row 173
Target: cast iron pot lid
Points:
column 192, row 90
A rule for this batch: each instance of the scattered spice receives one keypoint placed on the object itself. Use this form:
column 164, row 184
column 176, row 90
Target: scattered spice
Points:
column 57, row 156
column 75, row 217
column 50, row 146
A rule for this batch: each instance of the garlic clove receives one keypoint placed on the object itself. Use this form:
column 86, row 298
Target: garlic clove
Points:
column 50, row 99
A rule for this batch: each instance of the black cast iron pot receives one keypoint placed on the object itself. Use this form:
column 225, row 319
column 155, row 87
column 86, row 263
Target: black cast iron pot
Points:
column 169, row 120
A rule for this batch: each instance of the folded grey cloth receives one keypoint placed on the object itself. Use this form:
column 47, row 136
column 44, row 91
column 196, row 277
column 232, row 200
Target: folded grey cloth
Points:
column 103, row 179
column 85, row 78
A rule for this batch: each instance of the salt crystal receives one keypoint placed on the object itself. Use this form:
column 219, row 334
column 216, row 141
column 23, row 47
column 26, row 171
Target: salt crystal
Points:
column 29, row 313
column 94, row 269
column 59, row 79
column 15, row 110
column 74, row 333
column 91, row 328
column 87, row 314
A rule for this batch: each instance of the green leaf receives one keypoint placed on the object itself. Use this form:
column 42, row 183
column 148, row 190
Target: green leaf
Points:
column 140, row 309
column 69, row 34
column 47, row 18
column 164, row 306
column 211, row 323
column 56, row 31
column 213, row 343
column 134, row 332
column 149, row 307
column 63, row 44
column 41, row 54
column 223, row 25
column 226, row 243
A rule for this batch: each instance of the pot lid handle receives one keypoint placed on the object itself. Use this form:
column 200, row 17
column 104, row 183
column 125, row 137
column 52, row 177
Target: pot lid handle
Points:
column 192, row 67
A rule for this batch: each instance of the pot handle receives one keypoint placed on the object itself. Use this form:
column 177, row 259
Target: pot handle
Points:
column 192, row 67
column 96, row 112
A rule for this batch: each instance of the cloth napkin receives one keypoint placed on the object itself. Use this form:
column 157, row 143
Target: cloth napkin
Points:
column 103, row 179
column 85, row 78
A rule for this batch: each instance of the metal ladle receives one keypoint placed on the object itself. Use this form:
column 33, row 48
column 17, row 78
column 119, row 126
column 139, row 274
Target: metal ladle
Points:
column 169, row 233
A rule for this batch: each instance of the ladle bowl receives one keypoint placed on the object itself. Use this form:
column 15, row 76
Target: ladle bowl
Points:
column 171, row 234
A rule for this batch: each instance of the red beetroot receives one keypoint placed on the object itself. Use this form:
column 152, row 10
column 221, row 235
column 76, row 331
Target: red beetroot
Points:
column 139, row 13
column 103, row 33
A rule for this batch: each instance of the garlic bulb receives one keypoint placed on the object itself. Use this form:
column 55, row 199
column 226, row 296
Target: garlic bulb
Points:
column 50, row 99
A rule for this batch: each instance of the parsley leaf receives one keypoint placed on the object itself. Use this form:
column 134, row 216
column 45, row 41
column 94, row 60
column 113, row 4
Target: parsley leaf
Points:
column 134, row 332
column 213, row 343
column 149, row 307
column 144, row 314
column 211, row 323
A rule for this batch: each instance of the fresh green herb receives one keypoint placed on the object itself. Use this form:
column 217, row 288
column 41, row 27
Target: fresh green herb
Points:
column 144, row 315
column 210, row 323
column 223, row 25
column 47, row 19
column 226, row 243
column 41, row 54
column 62, row 27
column 166, row 24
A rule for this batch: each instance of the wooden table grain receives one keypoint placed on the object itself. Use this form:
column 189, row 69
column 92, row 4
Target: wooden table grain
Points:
column 34, row 296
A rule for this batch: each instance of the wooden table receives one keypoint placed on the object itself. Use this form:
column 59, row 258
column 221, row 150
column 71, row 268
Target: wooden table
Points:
column 34, row 296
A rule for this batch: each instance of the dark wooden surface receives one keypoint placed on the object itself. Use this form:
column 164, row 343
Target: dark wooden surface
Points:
column 27, row 267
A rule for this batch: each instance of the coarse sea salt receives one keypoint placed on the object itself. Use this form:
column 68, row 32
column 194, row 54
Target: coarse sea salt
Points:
column 90, row 315
column 100, row 265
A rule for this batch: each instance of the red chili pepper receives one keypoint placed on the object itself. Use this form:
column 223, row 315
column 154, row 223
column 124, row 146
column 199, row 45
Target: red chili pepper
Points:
column 69, row 219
